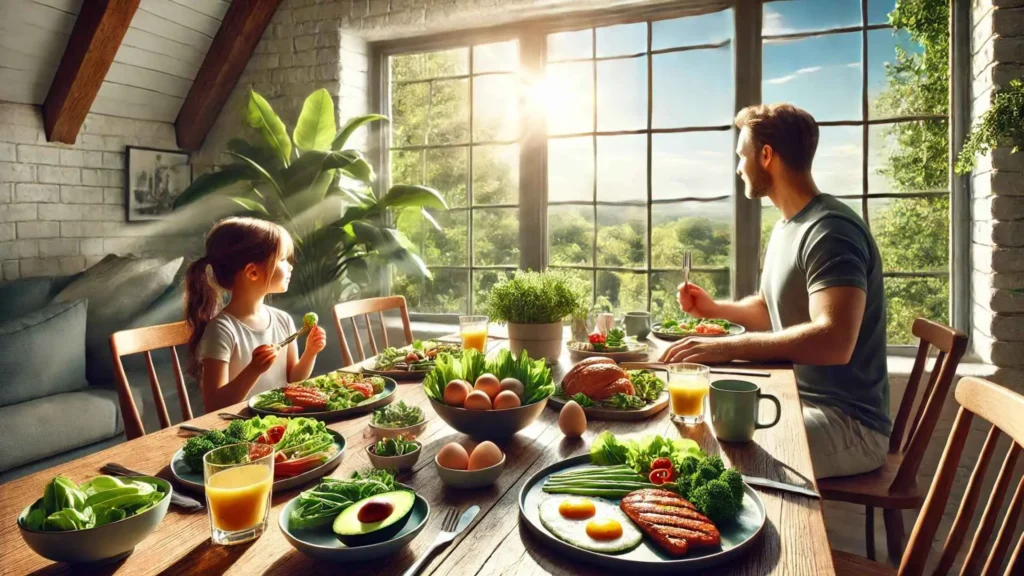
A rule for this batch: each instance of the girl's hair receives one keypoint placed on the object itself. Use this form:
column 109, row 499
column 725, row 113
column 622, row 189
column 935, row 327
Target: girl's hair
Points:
column 231, row 245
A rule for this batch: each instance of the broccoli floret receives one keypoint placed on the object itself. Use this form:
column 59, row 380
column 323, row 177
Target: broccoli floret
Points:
column 705, row 473
column 683, row 485
column 715, row 501
column 688, row 465
column 236, row 429
column 217, row 438
column 716, row 463
column 735, row 481
column 194, row 450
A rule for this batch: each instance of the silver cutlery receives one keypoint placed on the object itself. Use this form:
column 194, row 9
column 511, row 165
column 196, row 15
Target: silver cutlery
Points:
column 231, row 416
column 665, row 366
column 451, row 526
column 687, row 261
column 177, row 499
column 781, row 486
column 193, row 429
column 292, row 338
column 755, row 373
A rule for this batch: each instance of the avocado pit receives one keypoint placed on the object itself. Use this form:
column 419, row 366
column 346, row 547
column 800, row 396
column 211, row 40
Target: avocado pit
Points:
column 375, row 511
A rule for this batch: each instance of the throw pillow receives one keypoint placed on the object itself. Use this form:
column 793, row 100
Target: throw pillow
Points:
column 43, row 353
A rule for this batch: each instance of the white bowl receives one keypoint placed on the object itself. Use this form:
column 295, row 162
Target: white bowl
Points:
column 380, row 432
column 399, row 463
column 469, row 479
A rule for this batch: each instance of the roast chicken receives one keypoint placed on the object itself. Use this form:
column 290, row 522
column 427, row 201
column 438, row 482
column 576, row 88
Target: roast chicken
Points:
column 598, row 378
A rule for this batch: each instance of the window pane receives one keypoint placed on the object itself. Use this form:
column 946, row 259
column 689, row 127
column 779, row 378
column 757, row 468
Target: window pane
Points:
column 483, row 281
column 910, row 298
column 912, row 233
column 819, row 74
column 496, row 174
column 622, row 236
column 621, row 292
column 622, row 39
column 496, row 237
column 569, row 97
column 692, row 165
column 908, row 157
column 705, row 228
column 622, row 94
column 570, row 45
column 448, row 291
column 495, row 107
column 665, row 289
column 406, row 167
column 498, row 57
column 409, row 104
column 447, row 246
column 693, row 88
column 808, row 15
column 571, row 169
column 447, row 172
column 692, row 30
column 570, row 235
column 622, row 168
column 586, row 276
column 452, row 62
column 449, row 112
column 837, row 162
column 890, row 98
column 878, row 11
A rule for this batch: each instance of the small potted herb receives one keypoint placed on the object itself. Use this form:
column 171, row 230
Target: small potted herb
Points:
column 534, row 305
column 398, row 453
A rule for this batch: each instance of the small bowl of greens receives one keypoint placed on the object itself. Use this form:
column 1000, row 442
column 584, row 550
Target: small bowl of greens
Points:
column 394, row 453
column 398, row 419
column 99, row 521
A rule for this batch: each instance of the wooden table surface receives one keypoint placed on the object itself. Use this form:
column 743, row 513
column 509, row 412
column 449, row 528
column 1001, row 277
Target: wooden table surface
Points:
column 793, row 541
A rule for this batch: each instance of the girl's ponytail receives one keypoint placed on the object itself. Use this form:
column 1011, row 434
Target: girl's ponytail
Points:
column 201, row 302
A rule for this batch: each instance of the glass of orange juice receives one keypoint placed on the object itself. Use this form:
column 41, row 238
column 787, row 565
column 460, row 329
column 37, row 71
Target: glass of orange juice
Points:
column 473, row 330
column 688, row 386
column 239, row 479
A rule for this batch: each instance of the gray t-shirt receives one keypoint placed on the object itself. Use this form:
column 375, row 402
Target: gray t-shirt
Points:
column 824, row 245
column 227, row 339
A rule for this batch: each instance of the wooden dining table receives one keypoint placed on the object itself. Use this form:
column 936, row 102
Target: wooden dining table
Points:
column 793, row 540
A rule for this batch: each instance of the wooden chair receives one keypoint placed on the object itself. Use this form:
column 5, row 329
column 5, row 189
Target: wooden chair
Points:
column 364, row 308
column 146, row 340
column 893, row 487
column 1003, row 409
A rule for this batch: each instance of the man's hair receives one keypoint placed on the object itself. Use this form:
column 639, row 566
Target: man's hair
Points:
column 791, row 132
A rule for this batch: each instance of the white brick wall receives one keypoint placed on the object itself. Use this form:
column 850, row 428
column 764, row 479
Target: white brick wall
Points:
column 62, row 207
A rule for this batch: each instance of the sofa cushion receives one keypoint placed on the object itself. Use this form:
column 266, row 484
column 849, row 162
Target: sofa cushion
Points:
column 43, row 352
column 46, row 426
column 26, row 295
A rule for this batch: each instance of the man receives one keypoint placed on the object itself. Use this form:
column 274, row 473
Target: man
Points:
column 821, row 303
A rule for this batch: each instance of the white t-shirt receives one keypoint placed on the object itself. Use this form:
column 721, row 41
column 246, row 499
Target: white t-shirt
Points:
column 227, row 339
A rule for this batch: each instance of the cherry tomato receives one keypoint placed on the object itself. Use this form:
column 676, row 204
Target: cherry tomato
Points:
column 660, row 476
column 661, row 463
column 411, row 357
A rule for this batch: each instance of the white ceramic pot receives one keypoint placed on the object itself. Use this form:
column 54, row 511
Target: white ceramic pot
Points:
column 539, row 340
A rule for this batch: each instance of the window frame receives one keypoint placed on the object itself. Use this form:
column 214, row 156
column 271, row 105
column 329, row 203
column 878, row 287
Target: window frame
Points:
column 747, row 42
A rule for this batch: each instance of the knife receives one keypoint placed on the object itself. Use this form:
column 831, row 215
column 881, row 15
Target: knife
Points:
column 177, row 498
column 192, row 429
column 782, row 486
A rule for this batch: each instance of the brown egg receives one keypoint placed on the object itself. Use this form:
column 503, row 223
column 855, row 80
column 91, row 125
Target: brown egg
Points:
column 488, row 384
column 455, row 392
column 506, row 399
column 572, row 421
column 485, row 455
column 513, row 385
column 453, row 456
column 478, row 400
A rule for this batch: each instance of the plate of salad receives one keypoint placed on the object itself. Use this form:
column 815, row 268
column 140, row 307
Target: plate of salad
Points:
column 614, row 344
column 409, row 362
column 679, row 329
column 330, row 396
column 606, row 391
column 306, row 449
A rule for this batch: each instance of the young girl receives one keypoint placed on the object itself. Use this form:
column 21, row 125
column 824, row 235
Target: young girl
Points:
column 234, row 350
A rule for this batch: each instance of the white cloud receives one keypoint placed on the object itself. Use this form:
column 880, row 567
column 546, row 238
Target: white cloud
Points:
column 809, row 70
column 788, row 77
column 774, row 24
column 853, row 65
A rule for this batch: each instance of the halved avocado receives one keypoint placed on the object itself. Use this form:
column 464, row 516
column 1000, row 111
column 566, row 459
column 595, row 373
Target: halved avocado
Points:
column 365, row 516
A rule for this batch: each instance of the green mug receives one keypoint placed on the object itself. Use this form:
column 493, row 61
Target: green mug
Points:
column 637, row 324
column 734, row 410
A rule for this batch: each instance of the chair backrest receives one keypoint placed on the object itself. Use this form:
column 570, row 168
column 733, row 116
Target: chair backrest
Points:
column 1003, row 409
column 951, row 345
column 146, row 340
column 364, row 308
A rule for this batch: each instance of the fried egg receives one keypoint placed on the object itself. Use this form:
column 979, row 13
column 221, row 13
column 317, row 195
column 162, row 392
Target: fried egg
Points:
column 593, row 524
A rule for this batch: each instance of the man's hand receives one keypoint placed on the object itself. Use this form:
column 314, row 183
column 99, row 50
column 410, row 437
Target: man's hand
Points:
column 698, row 349
column 695, row 301
column 316, row 341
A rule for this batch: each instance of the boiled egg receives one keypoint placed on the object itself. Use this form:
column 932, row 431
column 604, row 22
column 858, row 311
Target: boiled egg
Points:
column 477, row 400
column 572, row 421
column 513, row 385
column 455, row 392
column 453, row 456
column 485, row 455
column 488, row 384
column 607, row 530
column 506, row 399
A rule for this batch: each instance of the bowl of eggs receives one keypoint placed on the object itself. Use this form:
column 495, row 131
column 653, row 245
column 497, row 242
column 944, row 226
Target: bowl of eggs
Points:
column 488, row 408
column 464, row 469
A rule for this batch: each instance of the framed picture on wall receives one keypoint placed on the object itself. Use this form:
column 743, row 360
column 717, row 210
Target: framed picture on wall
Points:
column 154, row 179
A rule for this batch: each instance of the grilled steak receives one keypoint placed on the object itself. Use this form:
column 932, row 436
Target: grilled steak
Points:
column 670, row 520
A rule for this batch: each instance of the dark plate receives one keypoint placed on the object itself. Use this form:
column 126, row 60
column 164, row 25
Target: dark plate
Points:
column 647, row 558
column 367, row 368
column 385, row 397
column 600, row 413
column 323, row 544
column 194, row 482
column 639, row 353
column 734, row 330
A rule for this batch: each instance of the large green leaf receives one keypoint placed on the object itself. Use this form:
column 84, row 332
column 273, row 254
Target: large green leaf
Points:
column 357, row 269
column 351, row 126
column 304, row 171
column 315, row 128
column 214, row 181
column 250, row 205
column 404, row 195
column 257, row 169
column 261, row 116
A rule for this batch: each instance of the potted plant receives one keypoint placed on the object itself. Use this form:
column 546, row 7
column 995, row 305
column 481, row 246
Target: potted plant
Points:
column 534, row 305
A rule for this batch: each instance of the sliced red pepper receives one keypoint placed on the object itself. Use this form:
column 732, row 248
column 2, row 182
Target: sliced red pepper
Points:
column 273, row 435
column 660, row 476
column 364, row 388
column 661, row 463
column 289, row 409
column 280, row 458
column 298, row 466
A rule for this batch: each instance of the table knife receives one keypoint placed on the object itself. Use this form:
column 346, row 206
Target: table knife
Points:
column 782, row 486
column 177, row 498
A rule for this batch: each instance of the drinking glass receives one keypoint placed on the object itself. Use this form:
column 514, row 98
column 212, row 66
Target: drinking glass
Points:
column 688, row 386
column 239, row 479
column 473, row 330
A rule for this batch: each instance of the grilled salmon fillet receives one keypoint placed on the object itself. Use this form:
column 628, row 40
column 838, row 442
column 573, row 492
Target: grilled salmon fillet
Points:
column 670, row 520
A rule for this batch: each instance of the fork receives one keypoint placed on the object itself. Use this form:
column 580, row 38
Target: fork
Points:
column 687, row 259
column 451, row 526
column 292, row 338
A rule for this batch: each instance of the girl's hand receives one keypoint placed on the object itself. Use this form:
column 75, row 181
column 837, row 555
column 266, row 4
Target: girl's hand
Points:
column 263, row 357
column 316, row 341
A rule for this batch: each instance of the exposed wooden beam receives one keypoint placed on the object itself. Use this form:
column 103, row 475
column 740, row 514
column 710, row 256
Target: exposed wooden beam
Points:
column 239, row 32
column 98, row 31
